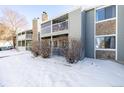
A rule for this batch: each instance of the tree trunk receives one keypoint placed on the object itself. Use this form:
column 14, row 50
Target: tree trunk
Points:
column 14, row 41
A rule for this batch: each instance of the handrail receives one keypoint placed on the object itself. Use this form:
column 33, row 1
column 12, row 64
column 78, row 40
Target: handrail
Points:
column 46, row 27
column 55, row 24
column 28, row 35
column 60, row 26
column 55, row 27
column 60, row 22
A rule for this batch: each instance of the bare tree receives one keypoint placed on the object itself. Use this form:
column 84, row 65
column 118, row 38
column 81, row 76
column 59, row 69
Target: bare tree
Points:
column 14, row 21
column 5, row 33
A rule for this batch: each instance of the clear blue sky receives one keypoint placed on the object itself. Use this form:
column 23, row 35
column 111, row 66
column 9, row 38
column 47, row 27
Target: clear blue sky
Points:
column 31, row 11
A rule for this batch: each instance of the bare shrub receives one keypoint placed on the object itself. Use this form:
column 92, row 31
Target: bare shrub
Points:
column 72, row 53
column 35, row 48
column 45, row 49
column 41, row 48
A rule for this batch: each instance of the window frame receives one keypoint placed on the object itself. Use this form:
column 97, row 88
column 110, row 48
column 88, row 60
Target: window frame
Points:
column 98, row 14
column 19, row 43
column 55, row 43
column 103, row 36
column 23, row 41
column 105, row 14
column 113, row 11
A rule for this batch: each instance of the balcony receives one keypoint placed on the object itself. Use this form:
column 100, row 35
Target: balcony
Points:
column 21, row 37
column 28, row 36
column 46, row 30
column 60, row 26
column 25, row 36
column 56, row 27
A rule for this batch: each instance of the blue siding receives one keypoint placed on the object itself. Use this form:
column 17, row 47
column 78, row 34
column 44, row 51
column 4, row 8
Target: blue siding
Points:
column 89, row 34
column 120, row 45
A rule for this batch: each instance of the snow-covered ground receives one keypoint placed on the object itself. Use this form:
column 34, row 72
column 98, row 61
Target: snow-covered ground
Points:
column 22, row 69
column 7, row 53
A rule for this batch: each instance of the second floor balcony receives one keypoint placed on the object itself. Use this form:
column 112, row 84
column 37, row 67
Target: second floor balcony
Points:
column 46, row 29
column 60, row 26
column 55, row 27
column 28, row 36
column 25, row 37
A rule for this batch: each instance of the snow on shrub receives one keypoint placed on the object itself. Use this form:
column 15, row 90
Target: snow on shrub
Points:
column 72, row 53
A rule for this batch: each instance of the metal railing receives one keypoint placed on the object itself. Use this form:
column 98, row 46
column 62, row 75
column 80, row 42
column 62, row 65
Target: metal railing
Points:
column 28, row 36
column 60, row 26
column 46, row 30
column 55, row 27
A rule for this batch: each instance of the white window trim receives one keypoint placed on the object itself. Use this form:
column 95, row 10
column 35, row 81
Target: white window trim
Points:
column 116, row 32
column 104, row 20
column 104, row 6
column 98, row 36
column 105, row 49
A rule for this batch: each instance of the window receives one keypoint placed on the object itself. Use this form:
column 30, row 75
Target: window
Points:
column 106, row 13
column 19, row 34
column 28, row 43
column 23, row 43
column 64, row 43
column 100, row 14
column 55, row 43
column 105, row 42
column 19, row 43
column 110, row 12
column 23, row 33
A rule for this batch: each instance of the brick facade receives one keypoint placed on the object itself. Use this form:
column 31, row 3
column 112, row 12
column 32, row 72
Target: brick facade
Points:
column 100, row 54
column 34, row 30
column 106, row 28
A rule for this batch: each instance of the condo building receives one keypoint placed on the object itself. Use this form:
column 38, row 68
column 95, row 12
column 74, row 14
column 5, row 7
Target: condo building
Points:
column 100, row 29
column 104, row 33
column 56, row 31
column 24, row 40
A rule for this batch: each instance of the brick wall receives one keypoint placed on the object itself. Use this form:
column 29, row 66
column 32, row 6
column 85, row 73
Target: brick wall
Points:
column 105, row 54
column 106, row 28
